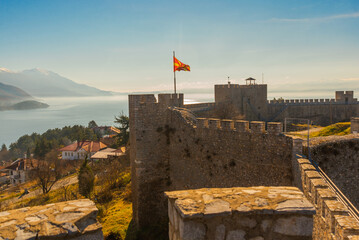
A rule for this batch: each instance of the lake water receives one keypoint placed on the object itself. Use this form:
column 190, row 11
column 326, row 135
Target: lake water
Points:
column 67, row 111
column 70, row 111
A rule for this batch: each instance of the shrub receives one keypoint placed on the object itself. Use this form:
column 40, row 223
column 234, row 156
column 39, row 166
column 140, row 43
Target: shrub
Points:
column 86, row 179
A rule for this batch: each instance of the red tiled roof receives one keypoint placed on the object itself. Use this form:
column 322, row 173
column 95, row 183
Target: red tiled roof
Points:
column 21, row 162
column 88, row 146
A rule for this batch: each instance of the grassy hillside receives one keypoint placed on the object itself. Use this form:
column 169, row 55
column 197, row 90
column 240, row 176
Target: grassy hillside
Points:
column 112, row 195
column 339, row 129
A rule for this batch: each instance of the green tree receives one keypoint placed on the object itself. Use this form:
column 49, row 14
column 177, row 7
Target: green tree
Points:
column 28, row 153
column 124, row 124
column 42, row 147
column 92, row 124
column 3, row 148
column 86, row 179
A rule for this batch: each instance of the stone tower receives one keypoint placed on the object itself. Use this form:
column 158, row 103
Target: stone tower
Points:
column 249, row 99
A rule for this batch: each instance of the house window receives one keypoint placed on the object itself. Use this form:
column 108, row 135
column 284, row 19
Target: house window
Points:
column 72, row 154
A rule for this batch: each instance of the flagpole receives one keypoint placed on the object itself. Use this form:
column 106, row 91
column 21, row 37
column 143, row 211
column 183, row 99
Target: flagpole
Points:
column 174, row 72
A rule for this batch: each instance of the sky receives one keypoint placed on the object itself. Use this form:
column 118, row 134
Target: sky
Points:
column 127, row 45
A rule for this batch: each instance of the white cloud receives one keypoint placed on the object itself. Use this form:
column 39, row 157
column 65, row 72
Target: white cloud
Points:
column 350, row 79
column 5, row 70
column 319, row 19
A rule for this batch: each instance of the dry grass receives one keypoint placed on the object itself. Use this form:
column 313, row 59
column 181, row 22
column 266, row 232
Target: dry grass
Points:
column 338, row 129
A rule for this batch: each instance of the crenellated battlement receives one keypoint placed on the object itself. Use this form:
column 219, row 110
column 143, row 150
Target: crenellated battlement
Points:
column 309, row 101
column 229, row 85
column 170, row 99
column 334, row 220
column 239, row 125
column 164, row 99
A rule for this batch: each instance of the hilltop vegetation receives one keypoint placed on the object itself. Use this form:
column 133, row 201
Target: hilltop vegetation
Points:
column 25, row 105
column 111, row 193
column 339, row 129
column 41, row 144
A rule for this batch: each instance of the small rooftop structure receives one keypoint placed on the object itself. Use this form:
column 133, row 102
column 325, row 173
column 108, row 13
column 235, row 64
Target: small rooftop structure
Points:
column 250, row 79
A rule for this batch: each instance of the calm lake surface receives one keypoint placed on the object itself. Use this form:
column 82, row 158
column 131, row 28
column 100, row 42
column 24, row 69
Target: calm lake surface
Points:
column 67, row 111
column 71, row 111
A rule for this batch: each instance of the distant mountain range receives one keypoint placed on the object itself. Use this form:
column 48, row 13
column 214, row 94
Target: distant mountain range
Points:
column 11, row 94
column 43, row 83
column 14, row 98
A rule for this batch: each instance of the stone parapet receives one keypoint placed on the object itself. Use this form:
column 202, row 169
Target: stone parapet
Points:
column 333, row 219
column 354, row 125
column 309, row 101
column 273, row 128
column 63, row 220
column 239, row 213
column 258, row 127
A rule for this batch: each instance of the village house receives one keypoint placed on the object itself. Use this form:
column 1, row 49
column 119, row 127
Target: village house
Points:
column 108, row 153
column 4, row 176
column 79, row 150
column 20, row 170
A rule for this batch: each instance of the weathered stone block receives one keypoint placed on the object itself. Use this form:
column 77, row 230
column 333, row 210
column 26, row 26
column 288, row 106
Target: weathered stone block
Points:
column 65, row 220
column 257, row 127
column 191, row 230
column 322, row 195
column 315, row 184
column 274, row 128
column 220, row 232
column 294, row 226
column 227, row 125
column 241, row 126
column 202, row 122
column 332, row 208
column 345, row 226
column 214, row 123
column 236, row 235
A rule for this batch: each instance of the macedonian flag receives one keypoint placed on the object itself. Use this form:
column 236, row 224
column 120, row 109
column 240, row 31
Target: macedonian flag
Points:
column 178, row 66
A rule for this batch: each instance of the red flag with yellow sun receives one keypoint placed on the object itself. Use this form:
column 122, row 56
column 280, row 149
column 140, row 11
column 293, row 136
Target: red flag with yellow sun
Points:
column 179, row 66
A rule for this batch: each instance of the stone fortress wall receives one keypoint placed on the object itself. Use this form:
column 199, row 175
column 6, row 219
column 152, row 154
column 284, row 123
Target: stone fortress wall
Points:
column 340, row 161
column 251, row 102
column 333, row 220
column 354, row 126
column 173, row 150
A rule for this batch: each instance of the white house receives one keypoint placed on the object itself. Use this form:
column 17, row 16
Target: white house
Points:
column 79, row 150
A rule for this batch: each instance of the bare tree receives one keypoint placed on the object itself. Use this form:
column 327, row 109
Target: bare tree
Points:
column 48, row 171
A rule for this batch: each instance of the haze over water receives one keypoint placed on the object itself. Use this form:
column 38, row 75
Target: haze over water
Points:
column 71, row 111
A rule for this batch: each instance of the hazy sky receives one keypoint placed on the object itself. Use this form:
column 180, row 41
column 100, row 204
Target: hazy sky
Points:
column 127, row 45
